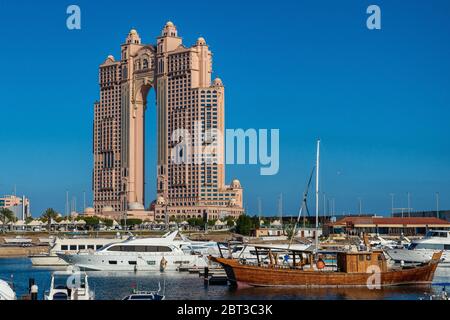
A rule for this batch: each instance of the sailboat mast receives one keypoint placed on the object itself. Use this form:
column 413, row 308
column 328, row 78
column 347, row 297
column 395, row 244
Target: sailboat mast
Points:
column 317, row 194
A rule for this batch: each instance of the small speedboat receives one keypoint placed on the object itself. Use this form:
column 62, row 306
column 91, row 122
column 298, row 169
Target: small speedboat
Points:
column 443, row 296
column 146, row 295
column 69, row 285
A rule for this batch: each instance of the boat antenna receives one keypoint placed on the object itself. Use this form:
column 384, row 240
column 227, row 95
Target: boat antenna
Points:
column 317, row 194
column 303, row 205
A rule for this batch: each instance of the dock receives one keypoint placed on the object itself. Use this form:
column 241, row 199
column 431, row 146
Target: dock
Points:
column 216, row 276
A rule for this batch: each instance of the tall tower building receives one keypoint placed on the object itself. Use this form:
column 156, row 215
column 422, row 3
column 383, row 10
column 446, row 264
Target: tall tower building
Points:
column 190, row 125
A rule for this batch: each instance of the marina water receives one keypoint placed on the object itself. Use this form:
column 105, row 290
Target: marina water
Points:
column 178, row 286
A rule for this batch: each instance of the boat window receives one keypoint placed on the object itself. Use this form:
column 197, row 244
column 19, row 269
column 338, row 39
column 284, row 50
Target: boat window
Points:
column 368, row 257
column 60, row 296
column 446, row 246
column 432, row 246
column 81, row 247
column 128, row 248
column 151, row 263
column 437, row 234
column 140, row 297
column 73, row 247
column 112, row 262
column 90, row 246
column 64, row 247
column 132, row 262
column 99, row 246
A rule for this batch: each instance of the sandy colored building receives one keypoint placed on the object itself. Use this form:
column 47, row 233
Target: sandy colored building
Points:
column 190, row 109
column 20, row 206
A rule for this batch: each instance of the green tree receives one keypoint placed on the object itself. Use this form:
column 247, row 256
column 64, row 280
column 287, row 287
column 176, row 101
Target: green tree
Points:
column 131, row 222
column 28, row 220
column 211, row 222
column 289, row 229
column 91, row 222
column 49, row 215
column 195, row 222
column 108, row 222
column 245, row 224
column 230, row 221
column 6, row 216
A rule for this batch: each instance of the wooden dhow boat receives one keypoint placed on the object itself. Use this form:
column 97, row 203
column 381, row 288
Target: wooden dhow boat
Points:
column 309, row 269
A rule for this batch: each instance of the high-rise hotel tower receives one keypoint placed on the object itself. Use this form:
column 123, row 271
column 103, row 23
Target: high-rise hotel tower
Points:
column 190, row 109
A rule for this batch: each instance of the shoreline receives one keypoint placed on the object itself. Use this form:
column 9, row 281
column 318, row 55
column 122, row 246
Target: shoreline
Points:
column 20, row 252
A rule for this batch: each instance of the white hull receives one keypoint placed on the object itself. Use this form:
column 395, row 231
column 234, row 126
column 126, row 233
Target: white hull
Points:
column 47, row 261
column 135, row 262
column 418, row 256
column 6, row 292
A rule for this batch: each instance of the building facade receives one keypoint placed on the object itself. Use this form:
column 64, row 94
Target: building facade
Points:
column 20, row 206
column 190, row 109
column 386, row 225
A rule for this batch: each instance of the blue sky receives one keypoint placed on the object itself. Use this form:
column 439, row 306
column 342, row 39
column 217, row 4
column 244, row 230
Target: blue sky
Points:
column 379, row 100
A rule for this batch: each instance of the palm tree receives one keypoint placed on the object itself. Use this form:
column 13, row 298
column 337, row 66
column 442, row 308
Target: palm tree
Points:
column 48, row 216
column 6, row 216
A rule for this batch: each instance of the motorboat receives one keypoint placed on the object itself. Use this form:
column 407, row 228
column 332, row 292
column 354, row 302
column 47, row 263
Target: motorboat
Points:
column 421, row 250
column 197, row 247
column 69, row 245
column 69, row 285
column 137, row 254
column 146, row 295
column 382, row 243
column 6, row 291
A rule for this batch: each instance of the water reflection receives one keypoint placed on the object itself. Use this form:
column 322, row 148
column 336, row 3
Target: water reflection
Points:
column 348, row 293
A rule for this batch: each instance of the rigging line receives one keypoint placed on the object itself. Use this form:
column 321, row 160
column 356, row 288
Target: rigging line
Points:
column 304, row 204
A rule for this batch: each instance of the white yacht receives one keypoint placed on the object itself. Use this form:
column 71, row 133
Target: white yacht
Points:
column 69, row 245
column 144, row 254
column 69, row 285
column 420, row 251
column 198, row 247
column 6, row 292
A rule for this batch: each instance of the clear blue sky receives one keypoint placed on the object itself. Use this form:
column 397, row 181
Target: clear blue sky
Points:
column 379, row 100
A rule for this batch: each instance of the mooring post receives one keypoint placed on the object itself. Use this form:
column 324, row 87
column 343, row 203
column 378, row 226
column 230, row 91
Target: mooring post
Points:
column 206, row 276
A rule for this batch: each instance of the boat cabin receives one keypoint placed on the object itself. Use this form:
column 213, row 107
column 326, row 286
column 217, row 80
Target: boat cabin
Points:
column 308, row 260
column 357, row 262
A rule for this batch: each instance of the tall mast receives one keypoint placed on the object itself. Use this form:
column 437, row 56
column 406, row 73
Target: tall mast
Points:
column 67, row 203
column 317, row 193
column 84, row 201
column 437, row 205
column 280, row 207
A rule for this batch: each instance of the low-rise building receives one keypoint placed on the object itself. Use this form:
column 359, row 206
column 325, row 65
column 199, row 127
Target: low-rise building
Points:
column 385, row 225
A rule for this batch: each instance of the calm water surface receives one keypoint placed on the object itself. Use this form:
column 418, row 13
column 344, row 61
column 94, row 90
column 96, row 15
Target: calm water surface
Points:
column 116, row 285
